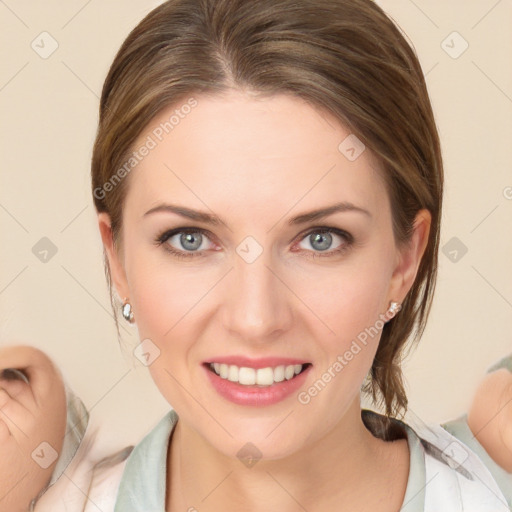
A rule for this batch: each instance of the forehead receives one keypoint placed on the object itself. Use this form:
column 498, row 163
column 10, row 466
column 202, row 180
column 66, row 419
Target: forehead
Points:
column 239, row 147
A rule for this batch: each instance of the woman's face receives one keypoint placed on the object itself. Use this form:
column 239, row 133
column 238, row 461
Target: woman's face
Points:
column 265, row 281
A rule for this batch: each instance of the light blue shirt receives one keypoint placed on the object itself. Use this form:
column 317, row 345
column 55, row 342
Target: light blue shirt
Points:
column 143, row 485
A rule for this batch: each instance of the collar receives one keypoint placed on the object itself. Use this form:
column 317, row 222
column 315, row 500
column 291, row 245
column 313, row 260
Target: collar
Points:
column 143, row 484
column 144, row 479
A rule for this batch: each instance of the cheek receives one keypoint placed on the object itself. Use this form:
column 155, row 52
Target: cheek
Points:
column 163, row 297
column 349, row 298
column 161, row 293
column 348, row 301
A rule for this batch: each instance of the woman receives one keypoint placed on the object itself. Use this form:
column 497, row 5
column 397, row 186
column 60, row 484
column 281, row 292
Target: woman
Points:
column 268, row 182
column 86, row 473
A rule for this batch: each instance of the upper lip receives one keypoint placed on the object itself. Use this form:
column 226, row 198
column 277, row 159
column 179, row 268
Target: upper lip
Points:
column 262, row 362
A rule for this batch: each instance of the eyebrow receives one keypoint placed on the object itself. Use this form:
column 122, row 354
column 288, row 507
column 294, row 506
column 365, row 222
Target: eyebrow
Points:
column 213, row 219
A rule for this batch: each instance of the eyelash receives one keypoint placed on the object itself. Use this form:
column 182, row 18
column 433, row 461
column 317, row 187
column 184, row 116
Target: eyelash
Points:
column 163, row 237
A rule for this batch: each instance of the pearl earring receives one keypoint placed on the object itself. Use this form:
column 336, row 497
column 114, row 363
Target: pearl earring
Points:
column 126, row 309
column 394, row 308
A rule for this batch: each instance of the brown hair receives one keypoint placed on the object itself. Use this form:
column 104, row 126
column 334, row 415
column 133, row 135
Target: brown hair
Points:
column 345, row 57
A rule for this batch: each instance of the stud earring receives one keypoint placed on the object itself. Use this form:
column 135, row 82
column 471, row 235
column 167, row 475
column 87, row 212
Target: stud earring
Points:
column 126, row 309
column 394, row 308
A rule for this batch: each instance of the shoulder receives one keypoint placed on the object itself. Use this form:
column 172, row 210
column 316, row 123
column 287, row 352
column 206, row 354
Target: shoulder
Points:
column 106, row 477
column 455, row 477
column 133, row 478
column 143, row 482
column 460, row 429
column 91, row 478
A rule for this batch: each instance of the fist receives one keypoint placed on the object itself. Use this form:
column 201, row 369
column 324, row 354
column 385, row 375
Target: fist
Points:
column 32, row 424
column 490, row 416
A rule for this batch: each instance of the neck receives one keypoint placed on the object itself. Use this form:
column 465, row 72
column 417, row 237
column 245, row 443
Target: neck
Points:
column 340, row 471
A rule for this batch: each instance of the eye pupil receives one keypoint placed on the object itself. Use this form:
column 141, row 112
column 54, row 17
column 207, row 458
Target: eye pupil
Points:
column 189, row 237
column 318, row 237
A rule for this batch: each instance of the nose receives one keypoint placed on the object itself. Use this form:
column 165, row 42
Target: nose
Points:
column 258, row 306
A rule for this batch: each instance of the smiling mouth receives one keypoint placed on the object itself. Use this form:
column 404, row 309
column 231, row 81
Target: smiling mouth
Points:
column 262, row 377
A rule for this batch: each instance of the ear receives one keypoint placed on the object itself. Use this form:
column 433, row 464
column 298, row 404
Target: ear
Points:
column 117, row 271
column 409, row 257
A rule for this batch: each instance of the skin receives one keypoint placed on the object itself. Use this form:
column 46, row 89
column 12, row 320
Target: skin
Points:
column 490, row 416
column 256, row 163
column 30, row 414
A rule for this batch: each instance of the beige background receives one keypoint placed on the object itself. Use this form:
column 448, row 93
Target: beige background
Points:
column 49, row 112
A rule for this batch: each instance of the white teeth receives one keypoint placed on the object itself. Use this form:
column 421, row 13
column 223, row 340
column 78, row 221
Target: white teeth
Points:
column 261, row 376
column 279, row 374
column 289, row 372
column 264, row 376
column 233, row 373
column 247, row 376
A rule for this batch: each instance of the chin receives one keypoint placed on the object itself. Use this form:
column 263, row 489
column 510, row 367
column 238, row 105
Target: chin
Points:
column 262, row 441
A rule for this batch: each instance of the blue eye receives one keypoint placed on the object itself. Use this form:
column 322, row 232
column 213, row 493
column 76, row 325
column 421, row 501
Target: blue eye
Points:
column 191, row 239
column 321, row 239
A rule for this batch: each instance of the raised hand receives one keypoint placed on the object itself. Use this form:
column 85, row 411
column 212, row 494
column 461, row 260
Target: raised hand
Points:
column 490, row 416
column 32, row 424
